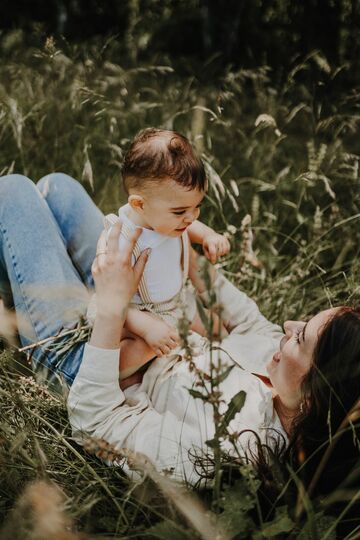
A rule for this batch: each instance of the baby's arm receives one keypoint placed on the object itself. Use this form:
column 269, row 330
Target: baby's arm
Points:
column 144, row 336
column 158, row 334
column 214, row 245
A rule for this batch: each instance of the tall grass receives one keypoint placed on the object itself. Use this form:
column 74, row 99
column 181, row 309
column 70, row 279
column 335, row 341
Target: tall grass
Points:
column 284, row 153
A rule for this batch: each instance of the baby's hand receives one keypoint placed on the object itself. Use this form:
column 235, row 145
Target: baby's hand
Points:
column 215, row 245
column 161, row 337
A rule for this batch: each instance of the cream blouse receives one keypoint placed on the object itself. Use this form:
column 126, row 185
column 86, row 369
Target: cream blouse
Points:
column 159, row 417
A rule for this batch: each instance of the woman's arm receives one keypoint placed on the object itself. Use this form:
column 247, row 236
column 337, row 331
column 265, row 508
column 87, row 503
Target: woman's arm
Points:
column 253, row 339
column 115, row 284
column 97, row 407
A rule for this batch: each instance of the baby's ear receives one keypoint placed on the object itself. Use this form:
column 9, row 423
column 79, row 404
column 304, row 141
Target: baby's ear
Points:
column 136, row 202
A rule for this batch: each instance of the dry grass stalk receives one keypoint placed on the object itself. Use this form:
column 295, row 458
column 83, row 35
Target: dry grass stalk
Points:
column 187, row 504
column 39, row 515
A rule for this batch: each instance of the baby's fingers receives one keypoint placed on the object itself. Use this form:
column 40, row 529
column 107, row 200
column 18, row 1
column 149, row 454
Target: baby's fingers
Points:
column 174, row 336
column 226, row 246
column 172, row 344
column 165, row 349
column 211, row 252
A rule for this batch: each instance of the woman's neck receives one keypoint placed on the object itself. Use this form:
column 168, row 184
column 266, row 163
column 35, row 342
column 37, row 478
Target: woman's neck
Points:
column 285, row 413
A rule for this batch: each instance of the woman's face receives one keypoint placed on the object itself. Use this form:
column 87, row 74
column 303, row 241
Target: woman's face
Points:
column 289, row 365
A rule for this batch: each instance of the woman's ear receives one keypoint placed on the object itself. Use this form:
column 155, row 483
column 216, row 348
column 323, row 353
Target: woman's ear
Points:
column 136, row 202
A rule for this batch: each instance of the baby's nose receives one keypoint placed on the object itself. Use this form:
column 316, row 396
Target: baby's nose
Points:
column 192, row 215
column 189, row 218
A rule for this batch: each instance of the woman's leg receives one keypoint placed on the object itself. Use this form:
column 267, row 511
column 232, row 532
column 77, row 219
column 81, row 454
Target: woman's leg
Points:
column 78, row 218
column 37, row 276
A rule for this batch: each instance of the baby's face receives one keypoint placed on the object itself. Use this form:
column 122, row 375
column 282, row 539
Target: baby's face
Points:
column 169, row 208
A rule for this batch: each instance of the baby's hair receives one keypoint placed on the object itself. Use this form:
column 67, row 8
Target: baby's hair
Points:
column 156, row 154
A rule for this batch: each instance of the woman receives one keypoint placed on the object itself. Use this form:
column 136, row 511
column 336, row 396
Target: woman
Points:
column 310, row 400
column 162, row 420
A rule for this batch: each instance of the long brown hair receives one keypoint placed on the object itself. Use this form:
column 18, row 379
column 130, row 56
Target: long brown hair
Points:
column 324, row 450
column 331, row 390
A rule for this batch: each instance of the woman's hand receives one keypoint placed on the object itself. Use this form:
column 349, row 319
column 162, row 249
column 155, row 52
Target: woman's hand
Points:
column 116, row 282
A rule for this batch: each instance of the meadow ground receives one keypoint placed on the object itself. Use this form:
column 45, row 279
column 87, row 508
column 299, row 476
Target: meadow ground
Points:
column 282, row 149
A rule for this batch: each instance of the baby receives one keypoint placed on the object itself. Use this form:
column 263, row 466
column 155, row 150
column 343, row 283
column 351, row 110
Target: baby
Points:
column 166, row 182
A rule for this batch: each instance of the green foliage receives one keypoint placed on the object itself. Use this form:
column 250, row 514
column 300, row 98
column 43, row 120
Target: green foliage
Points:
column 244, row 34
column 281, row 524
column 235, row 406
column 237, row 503
column 283, row 165
column 323, row 528
column 165, row 530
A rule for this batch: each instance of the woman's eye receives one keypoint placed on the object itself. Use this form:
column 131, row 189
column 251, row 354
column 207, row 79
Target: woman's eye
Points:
column 297, row 336
column 179, row 213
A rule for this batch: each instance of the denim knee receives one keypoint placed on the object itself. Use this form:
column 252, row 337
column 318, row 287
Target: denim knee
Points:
column 14, row 186
column 55, row 183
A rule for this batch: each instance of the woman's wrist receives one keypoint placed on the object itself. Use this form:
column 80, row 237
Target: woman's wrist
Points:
column 107, row 330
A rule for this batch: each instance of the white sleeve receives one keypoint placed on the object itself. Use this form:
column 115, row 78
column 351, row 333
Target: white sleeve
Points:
column 98, row 408
column 253, row 339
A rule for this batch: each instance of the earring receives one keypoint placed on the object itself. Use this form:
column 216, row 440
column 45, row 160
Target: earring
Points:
column 302, row 407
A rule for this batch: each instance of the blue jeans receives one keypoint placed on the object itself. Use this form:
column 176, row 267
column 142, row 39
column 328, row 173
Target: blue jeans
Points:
column 48, row 236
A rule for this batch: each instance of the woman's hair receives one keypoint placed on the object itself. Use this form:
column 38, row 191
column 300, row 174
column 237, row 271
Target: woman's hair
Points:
column 331, row 390
column 324, row 450
column 156, row 154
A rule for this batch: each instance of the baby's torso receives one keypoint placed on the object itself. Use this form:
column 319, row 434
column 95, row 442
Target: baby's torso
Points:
column 163, row 275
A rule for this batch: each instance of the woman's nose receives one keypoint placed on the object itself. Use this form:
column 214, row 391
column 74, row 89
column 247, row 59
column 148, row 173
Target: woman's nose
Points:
column 287, row 327
column 291, row 326
column 288, row 330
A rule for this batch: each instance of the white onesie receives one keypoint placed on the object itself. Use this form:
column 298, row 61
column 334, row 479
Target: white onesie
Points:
column 163, row 288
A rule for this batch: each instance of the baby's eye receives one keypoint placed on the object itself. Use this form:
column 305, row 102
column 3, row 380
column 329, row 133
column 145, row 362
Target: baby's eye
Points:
column 179, row 213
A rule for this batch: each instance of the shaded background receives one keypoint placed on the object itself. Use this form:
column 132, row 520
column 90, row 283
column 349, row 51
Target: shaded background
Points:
column 241, row 32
